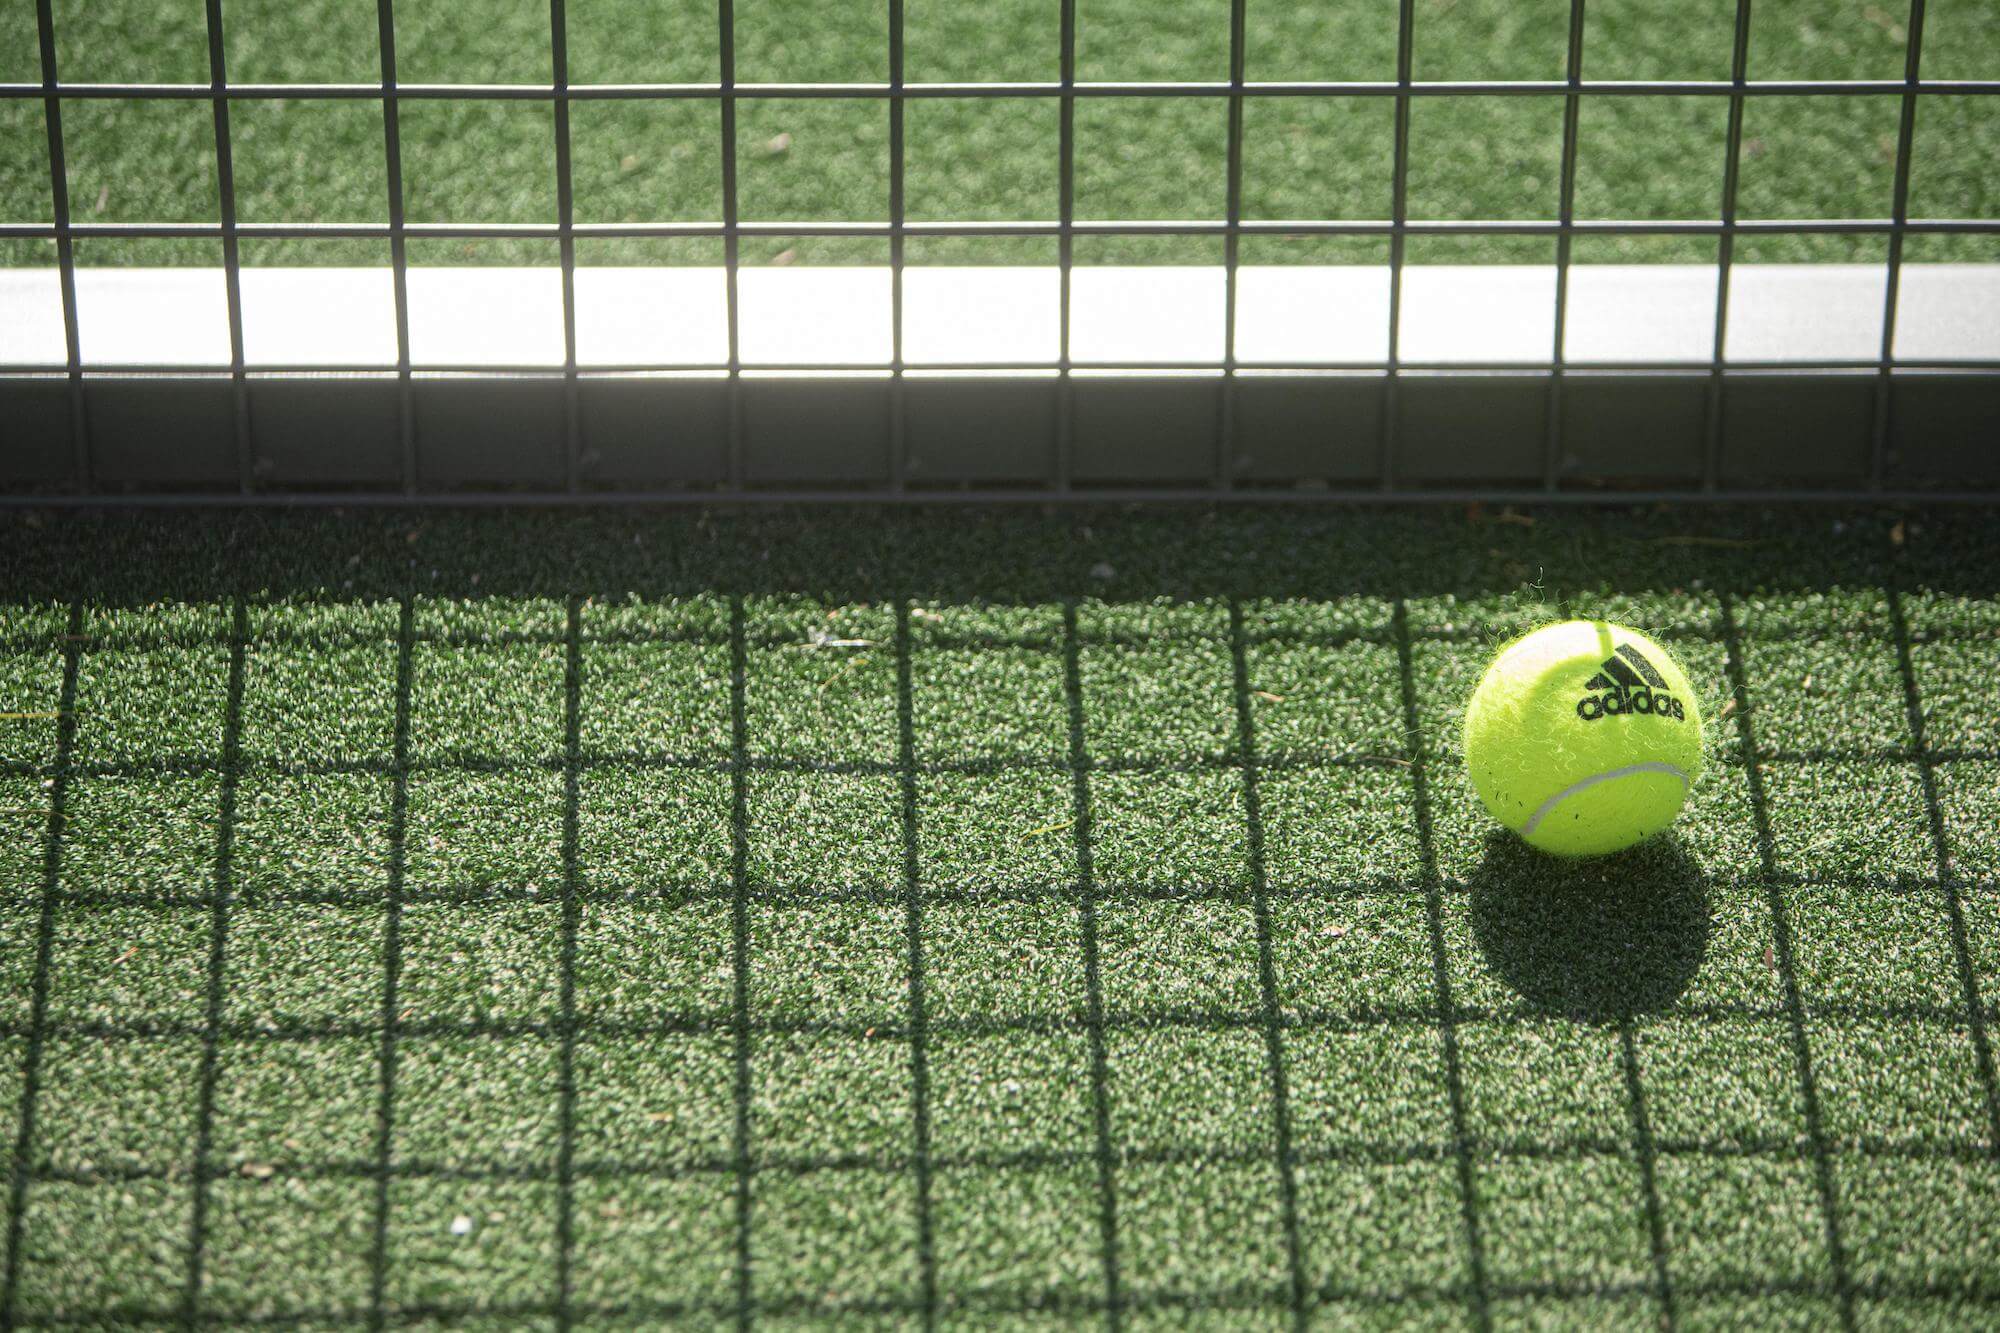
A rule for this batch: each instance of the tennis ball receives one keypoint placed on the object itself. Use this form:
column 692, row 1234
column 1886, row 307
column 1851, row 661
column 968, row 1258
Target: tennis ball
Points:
column 1583, row 737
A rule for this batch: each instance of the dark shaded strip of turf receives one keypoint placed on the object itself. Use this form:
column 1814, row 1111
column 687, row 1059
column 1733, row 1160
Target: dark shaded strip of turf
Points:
column 571, row 910
column 1305, row 761
column 392, row 964
column 1615, row 1148
column 669, row 895
column 1100, row 1095
column 1245, row 1297
column 1649, row 1161
column 1968, row 976
column 739, row 949
column 38, row 1004
column 1267, row 972
column 1781, row 931
column 218, row 946
column 1468, row 1188
column 1642, row 1139
column 700, row 1022
column 934, row 639
column 920, row 1078
column 189, row 765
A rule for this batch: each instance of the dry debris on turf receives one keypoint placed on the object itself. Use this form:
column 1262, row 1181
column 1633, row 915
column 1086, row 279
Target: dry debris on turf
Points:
column 978, row 918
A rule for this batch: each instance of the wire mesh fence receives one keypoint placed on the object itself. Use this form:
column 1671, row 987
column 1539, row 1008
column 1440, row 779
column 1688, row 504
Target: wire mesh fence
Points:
column 1404, row 300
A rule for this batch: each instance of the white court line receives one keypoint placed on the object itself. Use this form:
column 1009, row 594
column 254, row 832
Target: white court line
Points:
column 1618, row 314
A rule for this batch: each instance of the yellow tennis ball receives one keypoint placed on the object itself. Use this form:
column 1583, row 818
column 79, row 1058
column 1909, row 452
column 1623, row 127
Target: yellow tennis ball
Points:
column 1584, row 737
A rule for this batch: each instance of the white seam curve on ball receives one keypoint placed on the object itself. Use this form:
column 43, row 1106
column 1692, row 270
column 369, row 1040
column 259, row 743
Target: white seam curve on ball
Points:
column 1535, row 820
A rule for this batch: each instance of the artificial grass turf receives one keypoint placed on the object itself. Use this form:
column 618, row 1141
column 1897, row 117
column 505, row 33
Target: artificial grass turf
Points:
column 494, row 161
column 860, row 917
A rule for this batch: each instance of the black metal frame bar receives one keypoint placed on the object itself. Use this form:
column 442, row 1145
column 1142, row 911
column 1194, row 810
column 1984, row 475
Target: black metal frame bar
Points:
column 1566, row 215
column 732, row 237
column 1073, row 423
column 1066, row 230
column 898, row 461
column 399, row 257
column 1725, row 257
column 842, row 496
column 566, row 240
column 79, row 425
column 232, row 260
column 1053, row 227
column 1900, row 214
column 896, row 89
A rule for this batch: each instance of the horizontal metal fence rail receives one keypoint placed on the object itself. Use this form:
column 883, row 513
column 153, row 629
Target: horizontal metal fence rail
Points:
column 1399, row 426
column 713, row 92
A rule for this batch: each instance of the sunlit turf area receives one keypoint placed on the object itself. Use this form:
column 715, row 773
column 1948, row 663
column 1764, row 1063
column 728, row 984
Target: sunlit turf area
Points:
column 985, row 920
column 1653, row 157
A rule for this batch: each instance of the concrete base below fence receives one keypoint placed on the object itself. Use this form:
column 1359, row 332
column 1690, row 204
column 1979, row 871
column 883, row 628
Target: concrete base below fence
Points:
column 1476, row 400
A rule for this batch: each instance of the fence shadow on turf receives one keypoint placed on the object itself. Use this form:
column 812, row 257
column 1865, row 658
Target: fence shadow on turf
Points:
column 1601, row 939
column 953, row 555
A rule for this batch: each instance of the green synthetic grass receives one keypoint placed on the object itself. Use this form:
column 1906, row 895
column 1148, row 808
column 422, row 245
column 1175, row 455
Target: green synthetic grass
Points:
column 1643, row 158
column 989, row 920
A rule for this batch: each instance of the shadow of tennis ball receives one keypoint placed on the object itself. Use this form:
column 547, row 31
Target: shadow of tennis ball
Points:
column 1596, row 939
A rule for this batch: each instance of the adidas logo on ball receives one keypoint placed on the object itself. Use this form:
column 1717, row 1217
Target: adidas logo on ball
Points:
column 1628, row 683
